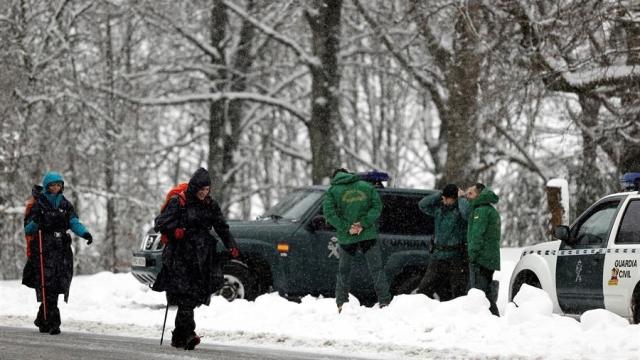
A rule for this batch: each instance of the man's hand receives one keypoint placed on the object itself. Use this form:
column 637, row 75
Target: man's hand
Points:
column 235, row 253
column 88, row 237
column 356, row 229
column 178, row 234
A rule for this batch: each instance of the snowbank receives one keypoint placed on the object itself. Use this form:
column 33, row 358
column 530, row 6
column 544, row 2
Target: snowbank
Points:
column 413, row 326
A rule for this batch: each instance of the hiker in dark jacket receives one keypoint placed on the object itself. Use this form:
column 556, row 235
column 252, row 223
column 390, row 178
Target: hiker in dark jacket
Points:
column 353, row 207
column 483, row 241
column 446, row 272
column 49, row 268
column 189, row 259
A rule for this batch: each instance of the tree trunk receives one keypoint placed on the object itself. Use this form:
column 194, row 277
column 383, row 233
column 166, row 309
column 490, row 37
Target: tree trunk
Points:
column 242, row 62
column 459, row 124
column 217, row 30
column 588, row 181
column 630, row 159
column 110, row 260
column 325, row 28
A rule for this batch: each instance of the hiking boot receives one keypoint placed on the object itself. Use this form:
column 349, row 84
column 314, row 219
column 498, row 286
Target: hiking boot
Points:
column 42, row 326
column 192, row 341
column 176, row 341
column 54, row 331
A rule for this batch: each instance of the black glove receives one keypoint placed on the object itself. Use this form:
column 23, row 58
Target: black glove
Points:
column 88, row 237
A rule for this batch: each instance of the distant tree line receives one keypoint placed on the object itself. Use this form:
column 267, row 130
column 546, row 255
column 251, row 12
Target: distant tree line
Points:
column 126, row 98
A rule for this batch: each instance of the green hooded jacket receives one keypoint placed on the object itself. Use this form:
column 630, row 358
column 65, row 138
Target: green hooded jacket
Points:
column 350, row 200
column 450, row 224
column 483, row 236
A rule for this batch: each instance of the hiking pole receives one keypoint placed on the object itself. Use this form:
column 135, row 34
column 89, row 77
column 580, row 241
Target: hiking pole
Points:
column 165, row 322
column 42, row 287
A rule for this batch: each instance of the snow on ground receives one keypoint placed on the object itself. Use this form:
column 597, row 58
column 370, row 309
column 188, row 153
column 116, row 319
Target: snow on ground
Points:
column 413, row 326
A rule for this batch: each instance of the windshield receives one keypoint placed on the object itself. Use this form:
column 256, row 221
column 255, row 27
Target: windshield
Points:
column 294, row 205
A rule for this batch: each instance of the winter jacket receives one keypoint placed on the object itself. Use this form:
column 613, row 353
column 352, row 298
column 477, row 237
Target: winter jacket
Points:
column 483, row 236
column 350, row 200
column 51, row 217
column 450, row 225
column 190, row 267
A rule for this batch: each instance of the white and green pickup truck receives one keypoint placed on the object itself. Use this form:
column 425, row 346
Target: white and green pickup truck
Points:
column 594, row 262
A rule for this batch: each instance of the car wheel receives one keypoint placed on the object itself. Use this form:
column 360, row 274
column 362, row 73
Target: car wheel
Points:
column 408, row 283
column 635, row 305
column 525, row 277
column 239, row 283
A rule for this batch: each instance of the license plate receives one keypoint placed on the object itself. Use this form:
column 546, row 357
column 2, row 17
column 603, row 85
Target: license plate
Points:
column 139, row 261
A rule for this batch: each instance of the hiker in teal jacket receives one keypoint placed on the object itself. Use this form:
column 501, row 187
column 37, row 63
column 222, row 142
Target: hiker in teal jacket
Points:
column 353, row 207
column 49, row 268
column 483, row 241
column 446, row 273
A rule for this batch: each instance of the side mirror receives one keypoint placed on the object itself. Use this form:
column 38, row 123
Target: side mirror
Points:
column 561, row 232
column 318, row 222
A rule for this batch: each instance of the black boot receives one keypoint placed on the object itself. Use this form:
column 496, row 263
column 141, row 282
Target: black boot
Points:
column 54, row 316
column 40, row 322
column 178, row 340
column 192, row 341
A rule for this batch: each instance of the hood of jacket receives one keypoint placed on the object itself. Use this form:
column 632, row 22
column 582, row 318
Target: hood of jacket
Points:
column 52, row 177
column 48, row 179
column 486, row 197
column 198, row 180
column 344, row 178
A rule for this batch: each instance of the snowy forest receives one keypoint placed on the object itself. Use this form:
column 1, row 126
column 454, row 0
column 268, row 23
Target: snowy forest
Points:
column 128, row 97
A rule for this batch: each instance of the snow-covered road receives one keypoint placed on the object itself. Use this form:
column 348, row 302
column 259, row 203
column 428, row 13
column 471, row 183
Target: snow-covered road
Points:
column 413, row 326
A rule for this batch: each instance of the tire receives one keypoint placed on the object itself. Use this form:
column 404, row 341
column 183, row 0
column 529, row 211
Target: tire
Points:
column 239, row 283
column 407, row 283
column 635, row 305
column 525, row 277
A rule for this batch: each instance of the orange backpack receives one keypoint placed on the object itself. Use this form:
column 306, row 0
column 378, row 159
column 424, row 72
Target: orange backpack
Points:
column 179, row 191
column 28, row 205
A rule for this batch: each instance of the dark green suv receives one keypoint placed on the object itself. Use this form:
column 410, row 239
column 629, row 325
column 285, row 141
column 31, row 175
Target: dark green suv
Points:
column 291, row 249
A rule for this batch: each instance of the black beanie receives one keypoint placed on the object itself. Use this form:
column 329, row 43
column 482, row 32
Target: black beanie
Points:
column 450, row 191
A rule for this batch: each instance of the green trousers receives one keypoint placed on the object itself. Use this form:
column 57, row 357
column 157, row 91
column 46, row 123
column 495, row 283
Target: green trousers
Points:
column 373, row 255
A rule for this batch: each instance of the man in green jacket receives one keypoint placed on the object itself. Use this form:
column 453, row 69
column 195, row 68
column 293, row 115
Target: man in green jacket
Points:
column 446, row 273
column 483, row 241
column 353, row 206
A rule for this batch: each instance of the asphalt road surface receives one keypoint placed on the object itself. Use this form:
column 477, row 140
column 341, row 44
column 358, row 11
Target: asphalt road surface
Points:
column 26, row 343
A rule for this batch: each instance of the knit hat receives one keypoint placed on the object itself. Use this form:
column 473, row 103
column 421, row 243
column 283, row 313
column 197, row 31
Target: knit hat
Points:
column 450, row 191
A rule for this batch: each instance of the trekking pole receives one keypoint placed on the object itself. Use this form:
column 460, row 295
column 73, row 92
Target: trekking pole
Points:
column 165, row 322
column 42, row 287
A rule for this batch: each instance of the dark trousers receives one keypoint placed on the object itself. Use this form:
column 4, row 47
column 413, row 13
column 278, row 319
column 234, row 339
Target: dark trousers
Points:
column 53, row 314
column 185, row 325
column 373, row 255
column 445, row 277
column 480, row 278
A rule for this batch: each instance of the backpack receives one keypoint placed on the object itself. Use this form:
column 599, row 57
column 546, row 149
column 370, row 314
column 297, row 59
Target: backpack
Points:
column 28, row 205
column 179, row 191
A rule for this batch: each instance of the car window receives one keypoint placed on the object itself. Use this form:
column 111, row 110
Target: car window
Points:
column 294, row 205
column 402, row 216
column 594, row 229
column 629, row 232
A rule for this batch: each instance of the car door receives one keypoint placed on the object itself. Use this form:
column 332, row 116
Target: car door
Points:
column 621, row 271
column 580, row 260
